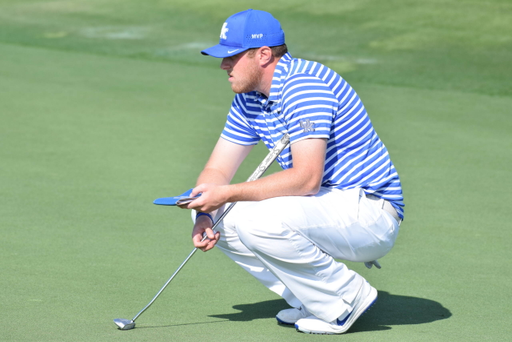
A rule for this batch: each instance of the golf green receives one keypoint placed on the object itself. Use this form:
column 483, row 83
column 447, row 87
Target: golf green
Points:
column 107, row 105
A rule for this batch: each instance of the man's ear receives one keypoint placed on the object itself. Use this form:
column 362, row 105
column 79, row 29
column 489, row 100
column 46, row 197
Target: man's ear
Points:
column 265, row 55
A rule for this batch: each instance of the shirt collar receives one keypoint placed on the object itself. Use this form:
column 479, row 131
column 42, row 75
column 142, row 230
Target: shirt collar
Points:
column 280, row 74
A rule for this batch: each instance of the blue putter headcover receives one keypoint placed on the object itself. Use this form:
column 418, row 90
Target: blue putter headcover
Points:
column 184, row 198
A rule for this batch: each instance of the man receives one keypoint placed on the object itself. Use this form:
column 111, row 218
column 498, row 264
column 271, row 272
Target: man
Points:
column 337, row 197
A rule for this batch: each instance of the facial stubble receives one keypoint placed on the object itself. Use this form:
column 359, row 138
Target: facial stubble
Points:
column 250, row 81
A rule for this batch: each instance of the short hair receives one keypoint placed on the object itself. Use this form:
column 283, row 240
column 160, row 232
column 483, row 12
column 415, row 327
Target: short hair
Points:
column 277, row 51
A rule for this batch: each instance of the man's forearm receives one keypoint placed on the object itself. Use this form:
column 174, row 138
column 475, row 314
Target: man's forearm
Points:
column 290, row 182
column 304, row 178
column 212, row 176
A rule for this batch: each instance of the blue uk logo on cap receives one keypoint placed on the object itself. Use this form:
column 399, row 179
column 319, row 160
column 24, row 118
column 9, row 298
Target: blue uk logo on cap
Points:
column 246, row 30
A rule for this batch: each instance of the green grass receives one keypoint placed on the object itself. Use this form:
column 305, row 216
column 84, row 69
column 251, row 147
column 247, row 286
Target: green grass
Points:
column 461, row 45
column 107, row 105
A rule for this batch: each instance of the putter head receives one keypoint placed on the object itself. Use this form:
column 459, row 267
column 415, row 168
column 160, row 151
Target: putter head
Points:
column 124, row 324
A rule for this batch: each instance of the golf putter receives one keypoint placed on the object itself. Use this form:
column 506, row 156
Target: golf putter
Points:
column 126, row 324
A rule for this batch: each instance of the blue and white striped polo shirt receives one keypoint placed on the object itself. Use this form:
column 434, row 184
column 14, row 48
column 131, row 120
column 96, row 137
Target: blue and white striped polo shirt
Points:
column 308, row 100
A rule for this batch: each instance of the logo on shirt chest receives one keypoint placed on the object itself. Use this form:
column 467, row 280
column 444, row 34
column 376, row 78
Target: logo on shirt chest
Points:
column 307, row 125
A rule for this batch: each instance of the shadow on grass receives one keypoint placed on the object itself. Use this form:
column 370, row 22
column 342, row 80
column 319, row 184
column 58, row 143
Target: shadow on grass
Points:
column 393, row 309
column 389, row 310
column 177, row 325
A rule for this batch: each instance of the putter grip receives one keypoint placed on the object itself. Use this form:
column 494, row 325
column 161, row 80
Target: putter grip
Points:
column 269, row 159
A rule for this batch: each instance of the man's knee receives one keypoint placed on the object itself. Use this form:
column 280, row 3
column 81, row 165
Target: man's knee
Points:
column 256, row 228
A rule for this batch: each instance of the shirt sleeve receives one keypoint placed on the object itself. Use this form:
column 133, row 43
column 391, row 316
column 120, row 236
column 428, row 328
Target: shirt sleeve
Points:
column 309, row 107
column 237, row 128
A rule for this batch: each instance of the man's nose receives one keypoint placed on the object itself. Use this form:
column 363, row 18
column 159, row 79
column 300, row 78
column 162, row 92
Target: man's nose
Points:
column 224, row 65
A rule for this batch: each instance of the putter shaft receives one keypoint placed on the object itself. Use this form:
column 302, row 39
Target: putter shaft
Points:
column 264, row 165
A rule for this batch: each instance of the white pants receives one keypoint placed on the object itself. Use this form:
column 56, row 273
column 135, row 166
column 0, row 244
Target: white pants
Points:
column 290, row 245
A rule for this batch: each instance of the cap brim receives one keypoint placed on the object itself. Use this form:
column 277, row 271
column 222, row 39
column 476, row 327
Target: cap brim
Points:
column 223, row 51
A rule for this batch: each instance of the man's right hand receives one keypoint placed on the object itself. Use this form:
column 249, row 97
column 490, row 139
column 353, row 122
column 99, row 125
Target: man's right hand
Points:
column 204, row 225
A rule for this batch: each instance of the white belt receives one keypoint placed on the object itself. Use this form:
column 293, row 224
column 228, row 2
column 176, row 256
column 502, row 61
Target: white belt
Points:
column 387, row 206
